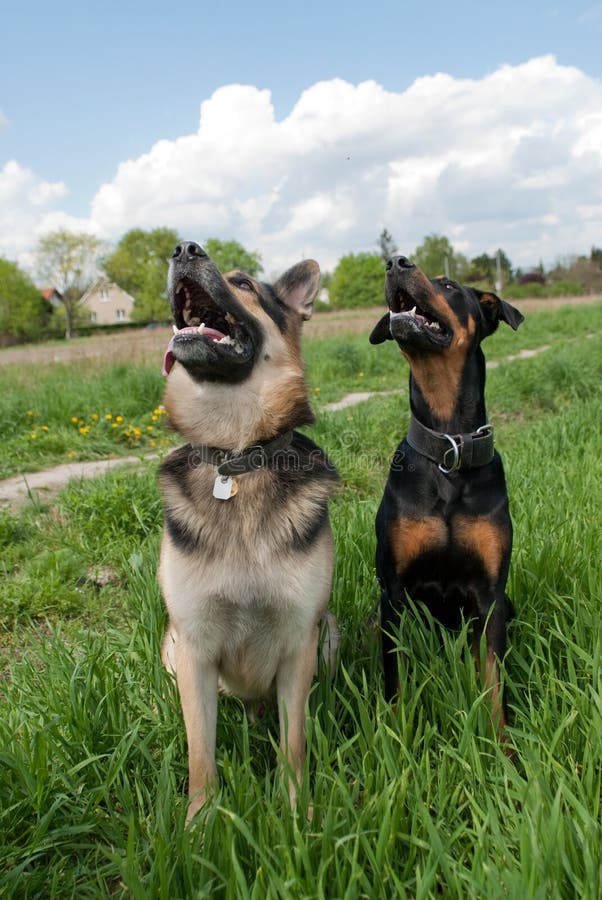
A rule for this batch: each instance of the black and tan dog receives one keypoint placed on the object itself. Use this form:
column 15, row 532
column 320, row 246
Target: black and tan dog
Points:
column 247, row 553
column 444, row 534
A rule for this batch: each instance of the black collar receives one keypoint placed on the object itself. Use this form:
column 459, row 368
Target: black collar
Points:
column 452, row 452
column 231, row 462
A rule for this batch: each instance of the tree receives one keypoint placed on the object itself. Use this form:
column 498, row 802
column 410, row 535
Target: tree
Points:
column 228, row 255
column 436, row 256
column 386, row 245
column 69, row 261
column 23, row 310
column 489, row 269
column 139, row 264
column 358, row 280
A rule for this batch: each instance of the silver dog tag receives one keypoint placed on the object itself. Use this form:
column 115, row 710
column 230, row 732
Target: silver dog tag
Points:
column 224, row 487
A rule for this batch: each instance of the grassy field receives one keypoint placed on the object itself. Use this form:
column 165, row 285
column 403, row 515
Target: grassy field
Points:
column 416, row 803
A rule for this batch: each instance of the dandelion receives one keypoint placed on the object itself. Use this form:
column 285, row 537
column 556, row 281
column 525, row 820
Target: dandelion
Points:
column 33, row 435
column 95, row 416
column 72, row 454
column 150, row 427
column 360, row 374
column 152, row 443
column 119, row 419
column 317, row 390
column 44, row 427
column 114, row 425
column 84, row 429
column 108, row 416
column 154, row 418
column 74, row 419
column 30, row 412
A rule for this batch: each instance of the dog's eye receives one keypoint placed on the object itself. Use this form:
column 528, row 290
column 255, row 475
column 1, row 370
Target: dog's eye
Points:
column 448, row 286
column 245, row 285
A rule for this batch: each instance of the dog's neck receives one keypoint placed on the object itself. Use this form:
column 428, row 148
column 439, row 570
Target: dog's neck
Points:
column 233, row 417
column 446, row 398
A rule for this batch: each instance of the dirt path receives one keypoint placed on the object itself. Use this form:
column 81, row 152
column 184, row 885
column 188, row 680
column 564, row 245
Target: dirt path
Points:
column 35, row 486
column 16, row 491
column 134, row 343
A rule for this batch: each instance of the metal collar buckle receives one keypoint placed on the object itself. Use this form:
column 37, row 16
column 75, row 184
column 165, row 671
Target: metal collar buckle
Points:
column 456, row 449
column 457, row 443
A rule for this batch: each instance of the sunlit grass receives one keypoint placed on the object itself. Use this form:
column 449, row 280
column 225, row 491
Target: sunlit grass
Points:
column 417, row 802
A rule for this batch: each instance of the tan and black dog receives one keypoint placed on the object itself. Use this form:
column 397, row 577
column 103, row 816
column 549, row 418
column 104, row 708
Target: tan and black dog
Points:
column 444, row 534
column 247, row 553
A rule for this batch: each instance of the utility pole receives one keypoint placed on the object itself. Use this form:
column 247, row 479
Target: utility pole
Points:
column 498, row 272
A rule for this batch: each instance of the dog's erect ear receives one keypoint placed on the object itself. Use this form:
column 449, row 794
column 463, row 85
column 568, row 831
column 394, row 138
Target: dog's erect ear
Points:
column 381, row 331
column 298, row 287
column 495, row 310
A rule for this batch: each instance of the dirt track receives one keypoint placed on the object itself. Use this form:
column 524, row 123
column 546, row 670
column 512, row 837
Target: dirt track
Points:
column 134, row 343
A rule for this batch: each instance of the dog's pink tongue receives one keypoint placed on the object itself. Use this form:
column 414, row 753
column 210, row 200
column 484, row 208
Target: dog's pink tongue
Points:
column 169, row 358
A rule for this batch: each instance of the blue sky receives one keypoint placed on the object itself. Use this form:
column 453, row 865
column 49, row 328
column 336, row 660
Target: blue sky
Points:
column 86, row 88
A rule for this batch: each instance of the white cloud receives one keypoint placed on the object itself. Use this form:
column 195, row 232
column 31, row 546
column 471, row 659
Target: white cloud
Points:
column 513, row 160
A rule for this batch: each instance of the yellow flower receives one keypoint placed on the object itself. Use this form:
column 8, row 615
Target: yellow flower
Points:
column 317, row 390
column 30, row 412
column 95, row 416
column 150, row 427
column 114, row 425
column 72, row 454
column 154, row 418
column 119, row 418
column 84, row 429
column 108, row 416
column 152, row 443
column 74, row 419
column 44, row 427
column 33, row 435
column 360, row 374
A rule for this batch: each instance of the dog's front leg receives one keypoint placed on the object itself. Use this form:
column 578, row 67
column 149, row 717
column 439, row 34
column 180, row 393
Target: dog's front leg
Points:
column 294, row 679
column 197, row 686
column 491, row 617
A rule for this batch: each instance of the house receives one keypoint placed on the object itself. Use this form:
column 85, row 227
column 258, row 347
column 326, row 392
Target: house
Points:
column 107, row 303
column 52, row 296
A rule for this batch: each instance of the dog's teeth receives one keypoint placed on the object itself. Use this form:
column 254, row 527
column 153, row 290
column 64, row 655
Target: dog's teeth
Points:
column 201, row 328
column 175, row 329
column 413, row 312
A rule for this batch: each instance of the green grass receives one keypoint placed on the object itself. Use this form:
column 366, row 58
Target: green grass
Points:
column 420, row 802
column 57, row 413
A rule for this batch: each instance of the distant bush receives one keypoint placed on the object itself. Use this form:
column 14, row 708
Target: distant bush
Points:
column 357, row 281
column 515, row 291
column 532, row 278
column 566, row 288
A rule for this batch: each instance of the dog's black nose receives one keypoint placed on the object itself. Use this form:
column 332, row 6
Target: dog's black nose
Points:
column 188, row 249
column 399, row 262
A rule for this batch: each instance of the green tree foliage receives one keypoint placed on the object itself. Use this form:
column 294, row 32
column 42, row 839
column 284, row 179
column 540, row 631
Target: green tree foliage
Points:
column 68, row 261
column 436, row 256
column 23, row 310
column 486, row 269
column 358, row 280
column 138, row 264
column 228, row 255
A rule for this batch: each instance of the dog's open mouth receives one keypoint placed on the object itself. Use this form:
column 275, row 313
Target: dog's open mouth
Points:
column 199, row 320
column 408, row 317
